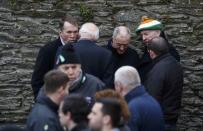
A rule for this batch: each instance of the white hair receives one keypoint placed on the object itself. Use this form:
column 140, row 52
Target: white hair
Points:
column 89, row 31
column 121, row 31
column 127, row 76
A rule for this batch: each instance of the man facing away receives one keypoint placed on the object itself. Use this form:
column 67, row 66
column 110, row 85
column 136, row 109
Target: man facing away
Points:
column 119, row 46
column 146, row 113
column 149, row 29
column 165, row 81
column 105, row 115
column 68, row 32
column 44, row 115
column 95, row 60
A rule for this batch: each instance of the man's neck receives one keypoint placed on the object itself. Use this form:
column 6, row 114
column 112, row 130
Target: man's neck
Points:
column 63, row 43
column 71, row 125
column 107, row 128
column 54, row 98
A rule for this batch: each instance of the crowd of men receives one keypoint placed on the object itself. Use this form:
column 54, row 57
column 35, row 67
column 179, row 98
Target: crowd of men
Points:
column 81, row 86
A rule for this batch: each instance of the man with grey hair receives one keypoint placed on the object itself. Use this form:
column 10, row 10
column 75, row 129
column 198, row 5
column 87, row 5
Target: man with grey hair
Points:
column 119, row 46
column 95, row 60
column 146, row 113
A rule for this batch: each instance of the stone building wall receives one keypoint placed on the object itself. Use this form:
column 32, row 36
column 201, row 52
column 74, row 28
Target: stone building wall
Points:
column 26, row 25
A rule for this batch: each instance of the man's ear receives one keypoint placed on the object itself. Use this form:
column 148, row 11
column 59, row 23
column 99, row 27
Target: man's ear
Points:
column 158, row 33
column 68, row 115
column 106, row 119
column 118, row 87
column 152, row 54
column 61, row 89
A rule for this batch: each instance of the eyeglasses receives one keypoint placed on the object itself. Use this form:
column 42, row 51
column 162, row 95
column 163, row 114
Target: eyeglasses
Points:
column 118, row 45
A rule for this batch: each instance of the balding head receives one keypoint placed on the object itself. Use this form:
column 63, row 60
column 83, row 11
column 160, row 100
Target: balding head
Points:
column 121, row 39
column 127, row 78
column 89, row 31
column 122, row 31
column 158, row 45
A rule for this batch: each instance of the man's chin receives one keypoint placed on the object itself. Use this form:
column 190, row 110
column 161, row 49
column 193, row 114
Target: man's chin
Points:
column 72, row 79
column 120, row 53
column 70, row 41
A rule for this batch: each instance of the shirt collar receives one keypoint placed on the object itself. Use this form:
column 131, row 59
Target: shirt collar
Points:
column 63, row 43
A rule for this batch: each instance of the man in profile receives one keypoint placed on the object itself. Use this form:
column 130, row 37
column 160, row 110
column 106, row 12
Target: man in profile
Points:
column 73, row 113
column 105, row 115
column 148, row 29
column 44, row 115
column 146, row 113
column 165, row 81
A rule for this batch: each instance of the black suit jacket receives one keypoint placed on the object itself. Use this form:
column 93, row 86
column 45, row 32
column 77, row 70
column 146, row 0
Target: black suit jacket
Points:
column 165, row 83
column 146, row 62
column 130, row 57
column 44, row 63
column 95, row 60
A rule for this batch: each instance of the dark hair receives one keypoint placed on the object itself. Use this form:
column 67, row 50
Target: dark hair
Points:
column 10, row 127
column 78, row 107
column 114, row 94
column 54, row 79
column 68, row 55
column 111, row 107
column 158, row 45
column 69, row 19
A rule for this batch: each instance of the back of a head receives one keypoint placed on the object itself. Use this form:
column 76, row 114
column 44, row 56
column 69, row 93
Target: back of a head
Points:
column 78, row 107
column 53, row 80
column 10, row 127
column 158, row 45
column 111, row 107
column 128, row 76
column 122, row 31
column 113, row 94
column 89, row 31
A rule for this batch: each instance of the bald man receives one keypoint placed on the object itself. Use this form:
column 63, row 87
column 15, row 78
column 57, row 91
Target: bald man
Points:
column 95, row 60
column 119, row 46
column 165, row 81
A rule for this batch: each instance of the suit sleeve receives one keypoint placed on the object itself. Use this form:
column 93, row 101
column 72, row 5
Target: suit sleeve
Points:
column 108, row 78
column 42, row 66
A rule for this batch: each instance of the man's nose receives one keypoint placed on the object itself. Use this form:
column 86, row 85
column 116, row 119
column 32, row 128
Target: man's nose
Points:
column 143, row 37
column 70, row 71
column 122, row 47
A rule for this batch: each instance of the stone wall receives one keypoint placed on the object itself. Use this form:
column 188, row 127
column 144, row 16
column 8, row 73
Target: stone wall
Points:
column 26, row 25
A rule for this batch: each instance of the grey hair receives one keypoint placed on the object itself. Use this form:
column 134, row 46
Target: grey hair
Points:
column 89, row 31
column 121, row 30
column 128, row 76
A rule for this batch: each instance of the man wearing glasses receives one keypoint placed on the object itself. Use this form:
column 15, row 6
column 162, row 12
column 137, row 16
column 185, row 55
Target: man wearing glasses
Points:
column 68, row 33
column 119, row 46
